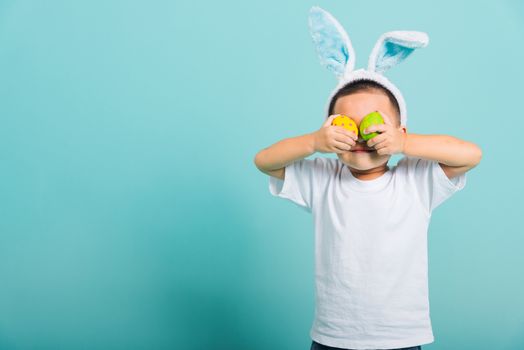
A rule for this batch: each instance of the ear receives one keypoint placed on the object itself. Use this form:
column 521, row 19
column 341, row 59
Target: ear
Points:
column 332, row 43
column 393, row 47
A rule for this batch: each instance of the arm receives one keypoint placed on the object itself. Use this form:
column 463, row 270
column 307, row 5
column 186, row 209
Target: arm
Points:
column 329, row 138
column 272, row 160
column 455, row 156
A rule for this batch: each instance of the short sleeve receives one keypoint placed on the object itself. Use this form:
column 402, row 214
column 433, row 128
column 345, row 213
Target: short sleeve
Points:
column 302, row 180
column 431, row 182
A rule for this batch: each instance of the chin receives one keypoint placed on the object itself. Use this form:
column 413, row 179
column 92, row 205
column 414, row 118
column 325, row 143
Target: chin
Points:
column 363, row 161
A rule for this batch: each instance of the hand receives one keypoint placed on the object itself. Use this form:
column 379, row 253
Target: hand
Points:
column 333, row 138
column 391, row 139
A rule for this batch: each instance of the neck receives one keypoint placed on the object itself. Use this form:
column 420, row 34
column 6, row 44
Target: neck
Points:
column 369, row 174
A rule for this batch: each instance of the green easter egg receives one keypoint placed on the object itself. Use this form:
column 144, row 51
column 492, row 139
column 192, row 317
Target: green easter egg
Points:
column 370, row 119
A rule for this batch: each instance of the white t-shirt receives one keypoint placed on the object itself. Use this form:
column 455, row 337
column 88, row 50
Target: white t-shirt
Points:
column 371, row 265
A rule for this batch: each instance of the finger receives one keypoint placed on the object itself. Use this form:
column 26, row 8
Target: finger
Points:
column 349, row 140
column 377, row 139
column 383, row 151
column 376, row 127
column 339, row 151
column 342, row 145
column 387, row 119
column 382, row 148
column 379, row 145
column 346, row 132
column 344, row 139
column 330, row 119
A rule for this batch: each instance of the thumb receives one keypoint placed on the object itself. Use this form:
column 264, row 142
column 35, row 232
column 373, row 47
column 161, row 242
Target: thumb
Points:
column 330, row 119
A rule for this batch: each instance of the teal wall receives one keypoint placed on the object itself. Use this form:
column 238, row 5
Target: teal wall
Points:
column 133, row 217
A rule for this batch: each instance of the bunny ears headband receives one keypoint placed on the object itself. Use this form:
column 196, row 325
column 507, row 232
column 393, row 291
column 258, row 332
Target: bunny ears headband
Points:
column 336, row 53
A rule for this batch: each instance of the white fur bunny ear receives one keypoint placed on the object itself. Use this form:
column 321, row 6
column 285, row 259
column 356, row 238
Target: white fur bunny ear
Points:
column 393, row 47
column 331, row 41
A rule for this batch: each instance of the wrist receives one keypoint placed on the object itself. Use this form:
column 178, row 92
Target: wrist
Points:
column 312, row 142
column 404, row 142
column 411, row 145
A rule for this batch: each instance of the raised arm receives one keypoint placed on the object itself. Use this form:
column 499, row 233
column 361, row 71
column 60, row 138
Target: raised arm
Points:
column 272, row 160
column 455, row 156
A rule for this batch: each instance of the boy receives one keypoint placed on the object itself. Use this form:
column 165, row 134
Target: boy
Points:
column 370, row 220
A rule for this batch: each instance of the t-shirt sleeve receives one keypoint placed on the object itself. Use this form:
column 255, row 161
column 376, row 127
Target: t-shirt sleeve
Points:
column 303, row 178
column 431, row 182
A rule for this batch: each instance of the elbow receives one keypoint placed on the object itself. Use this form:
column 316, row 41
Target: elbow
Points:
column 257, row 160
column 476, row 156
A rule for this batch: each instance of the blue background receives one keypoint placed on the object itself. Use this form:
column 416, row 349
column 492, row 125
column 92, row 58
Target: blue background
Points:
column 133, row 216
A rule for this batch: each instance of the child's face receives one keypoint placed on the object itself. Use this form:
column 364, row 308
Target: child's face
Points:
column 356, row 106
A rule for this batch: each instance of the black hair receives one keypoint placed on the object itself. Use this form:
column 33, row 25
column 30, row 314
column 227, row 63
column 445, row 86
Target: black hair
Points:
column 363, row 85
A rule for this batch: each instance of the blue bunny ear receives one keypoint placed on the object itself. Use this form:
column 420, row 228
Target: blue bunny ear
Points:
column 332, row 43
column 393, row 47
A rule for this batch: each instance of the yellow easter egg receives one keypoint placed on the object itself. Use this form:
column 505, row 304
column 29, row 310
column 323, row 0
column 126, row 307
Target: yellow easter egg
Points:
column 345, row 122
